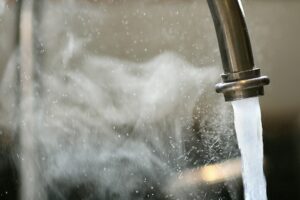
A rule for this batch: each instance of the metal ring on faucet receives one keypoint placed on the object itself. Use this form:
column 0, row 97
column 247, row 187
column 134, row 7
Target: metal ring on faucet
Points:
column 243, row 88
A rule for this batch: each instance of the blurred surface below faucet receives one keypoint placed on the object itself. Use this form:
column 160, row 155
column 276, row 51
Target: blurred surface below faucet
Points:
column 241, row 79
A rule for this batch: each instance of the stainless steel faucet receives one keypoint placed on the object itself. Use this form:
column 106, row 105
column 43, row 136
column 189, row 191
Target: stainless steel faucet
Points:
column 241, row 79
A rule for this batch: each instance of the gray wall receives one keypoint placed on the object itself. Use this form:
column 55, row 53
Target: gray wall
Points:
column 7, row 33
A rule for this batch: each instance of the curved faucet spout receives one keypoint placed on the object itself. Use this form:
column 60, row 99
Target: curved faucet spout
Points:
column 241, row 79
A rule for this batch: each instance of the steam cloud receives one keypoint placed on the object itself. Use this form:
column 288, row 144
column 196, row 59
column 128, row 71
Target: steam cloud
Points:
column 108, row 128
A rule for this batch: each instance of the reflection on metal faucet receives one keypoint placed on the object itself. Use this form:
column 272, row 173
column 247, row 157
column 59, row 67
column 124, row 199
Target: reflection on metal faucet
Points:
column 241, row 79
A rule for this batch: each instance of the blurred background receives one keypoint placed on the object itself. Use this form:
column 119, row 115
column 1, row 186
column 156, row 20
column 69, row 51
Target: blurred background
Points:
column 137, row 31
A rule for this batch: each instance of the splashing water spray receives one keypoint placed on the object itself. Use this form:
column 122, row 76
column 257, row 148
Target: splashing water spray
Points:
column 242, row 84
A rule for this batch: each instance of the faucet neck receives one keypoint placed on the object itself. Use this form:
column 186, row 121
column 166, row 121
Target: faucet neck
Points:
column 236, row 52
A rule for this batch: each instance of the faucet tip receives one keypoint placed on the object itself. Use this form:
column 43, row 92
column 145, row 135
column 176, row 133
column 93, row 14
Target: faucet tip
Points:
column 236, row 88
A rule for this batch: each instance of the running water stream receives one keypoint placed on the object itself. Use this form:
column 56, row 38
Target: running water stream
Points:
column 247, row 119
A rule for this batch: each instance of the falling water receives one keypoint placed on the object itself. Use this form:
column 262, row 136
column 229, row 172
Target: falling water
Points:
column 248, row 127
